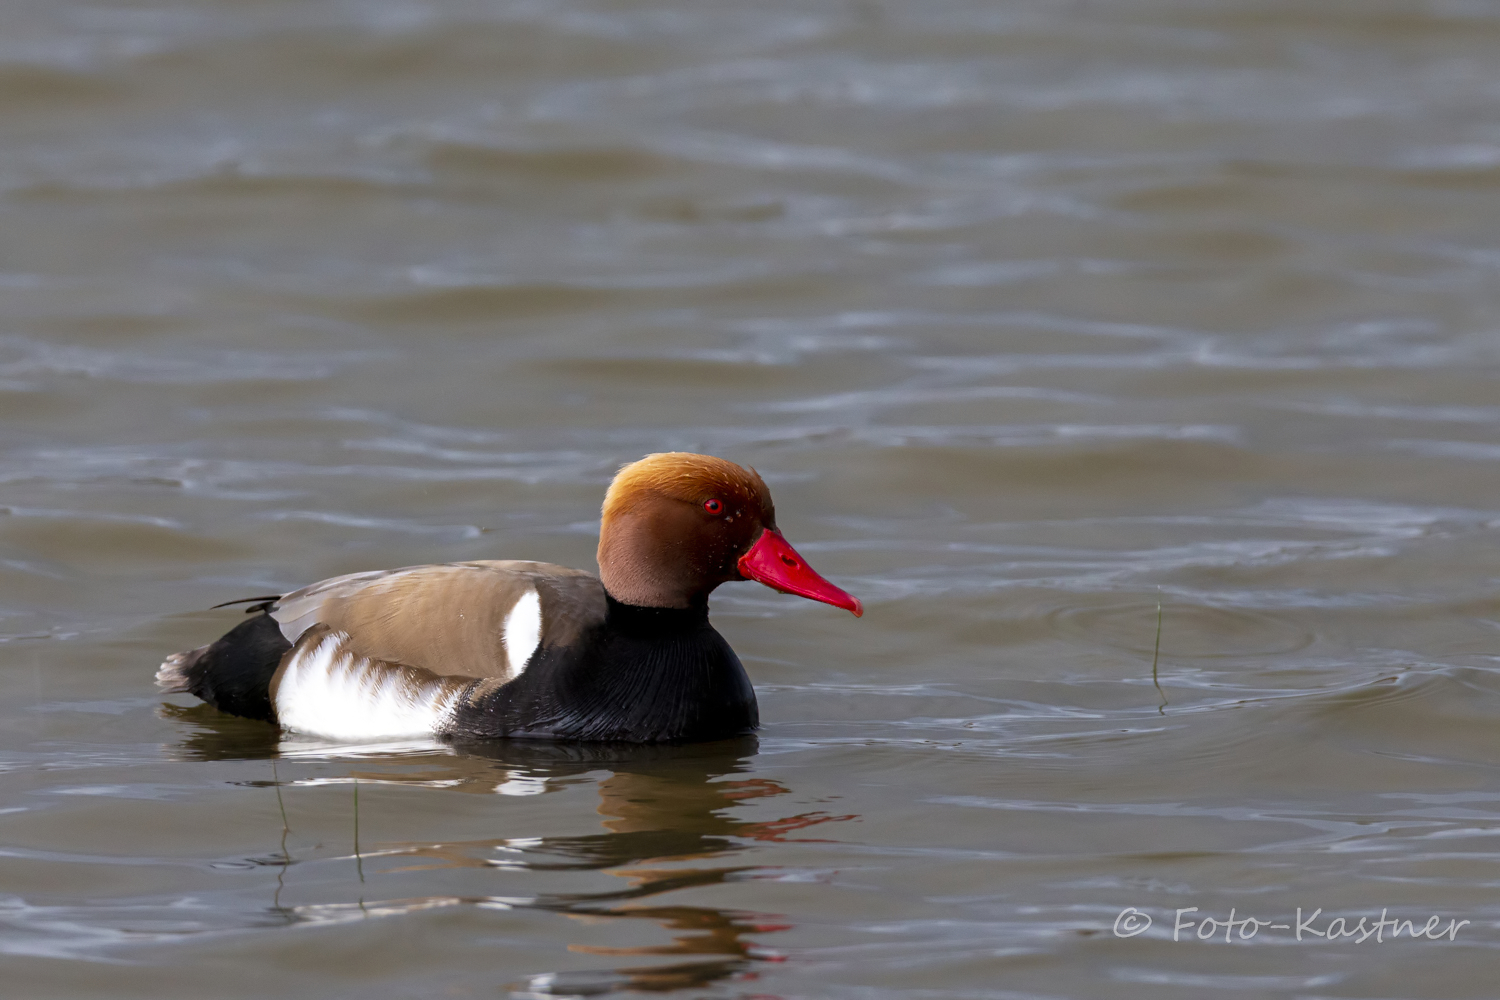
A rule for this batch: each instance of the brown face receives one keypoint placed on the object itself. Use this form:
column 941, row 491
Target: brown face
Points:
column 677, row 525
column 713, row 528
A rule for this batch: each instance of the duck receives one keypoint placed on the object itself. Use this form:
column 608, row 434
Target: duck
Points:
column 514, row 649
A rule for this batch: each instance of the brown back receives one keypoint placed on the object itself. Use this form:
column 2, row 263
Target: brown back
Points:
column 448, row 618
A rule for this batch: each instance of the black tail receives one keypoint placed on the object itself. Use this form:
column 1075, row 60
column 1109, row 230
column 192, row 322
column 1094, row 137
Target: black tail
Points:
column 234, row 673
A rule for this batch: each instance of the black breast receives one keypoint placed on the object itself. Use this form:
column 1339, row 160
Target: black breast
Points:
column 643, row 675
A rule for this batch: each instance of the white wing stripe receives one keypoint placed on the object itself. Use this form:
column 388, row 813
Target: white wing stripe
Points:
column 523, row 632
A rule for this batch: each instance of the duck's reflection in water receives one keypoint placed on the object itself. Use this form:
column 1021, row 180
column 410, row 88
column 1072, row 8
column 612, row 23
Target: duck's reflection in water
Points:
column 661, row 809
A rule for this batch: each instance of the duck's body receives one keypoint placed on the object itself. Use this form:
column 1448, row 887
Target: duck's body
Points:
column 525, row 649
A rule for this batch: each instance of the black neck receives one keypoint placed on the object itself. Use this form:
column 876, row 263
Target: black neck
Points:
column 640, row 621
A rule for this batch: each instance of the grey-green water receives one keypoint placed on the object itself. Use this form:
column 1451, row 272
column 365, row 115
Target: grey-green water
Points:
column 1032, row 314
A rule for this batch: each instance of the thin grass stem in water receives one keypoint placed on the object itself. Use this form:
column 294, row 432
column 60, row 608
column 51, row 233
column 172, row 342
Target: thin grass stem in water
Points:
column 286, row 857
column 1156, row 657
column 359, row 861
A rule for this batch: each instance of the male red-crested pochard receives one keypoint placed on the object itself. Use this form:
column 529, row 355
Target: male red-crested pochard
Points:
column 492, row 649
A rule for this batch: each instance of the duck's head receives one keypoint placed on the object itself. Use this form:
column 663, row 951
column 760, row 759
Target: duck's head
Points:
column 676, row 525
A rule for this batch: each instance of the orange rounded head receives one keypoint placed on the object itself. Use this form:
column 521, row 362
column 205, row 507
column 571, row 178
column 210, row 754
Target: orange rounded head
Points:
column 676, row 525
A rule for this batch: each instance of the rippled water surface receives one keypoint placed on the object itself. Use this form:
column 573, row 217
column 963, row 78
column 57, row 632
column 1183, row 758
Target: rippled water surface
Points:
column 1036, row 316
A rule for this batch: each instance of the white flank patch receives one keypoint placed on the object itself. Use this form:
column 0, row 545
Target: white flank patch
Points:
column 523, row 631
column 330, row 692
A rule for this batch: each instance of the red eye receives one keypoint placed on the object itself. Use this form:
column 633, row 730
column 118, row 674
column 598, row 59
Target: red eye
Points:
column 714, row 506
